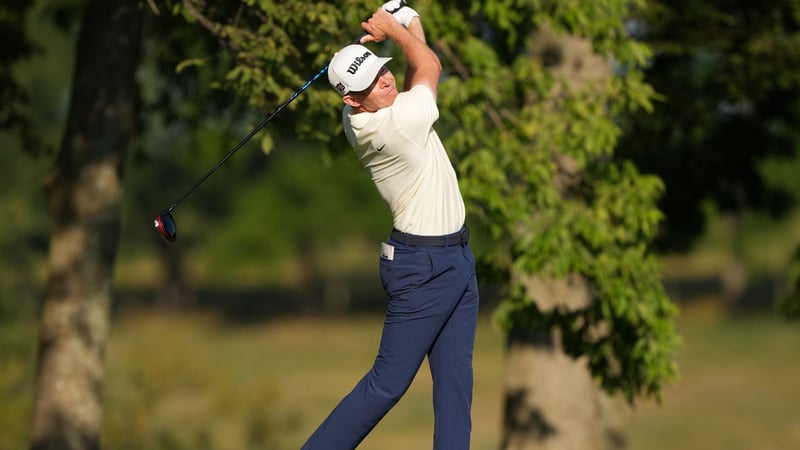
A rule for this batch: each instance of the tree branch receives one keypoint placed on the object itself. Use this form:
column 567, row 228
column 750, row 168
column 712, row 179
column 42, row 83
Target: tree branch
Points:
column 208, row 24
column 462, row 71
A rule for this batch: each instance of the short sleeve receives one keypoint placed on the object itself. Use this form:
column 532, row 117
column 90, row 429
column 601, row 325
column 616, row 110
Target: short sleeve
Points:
column 415, row 111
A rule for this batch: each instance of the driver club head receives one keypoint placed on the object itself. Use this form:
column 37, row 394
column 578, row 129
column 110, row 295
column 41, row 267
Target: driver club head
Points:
column 165, row 225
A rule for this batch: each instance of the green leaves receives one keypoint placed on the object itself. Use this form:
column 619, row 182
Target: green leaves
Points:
column 277, row 47
column 535, row 151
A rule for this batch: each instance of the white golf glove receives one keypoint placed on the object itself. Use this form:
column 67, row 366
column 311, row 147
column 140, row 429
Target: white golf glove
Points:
column 403, row 14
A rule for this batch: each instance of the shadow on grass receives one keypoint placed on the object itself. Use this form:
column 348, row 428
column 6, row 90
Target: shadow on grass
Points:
column 252, row 305
column 363, row 294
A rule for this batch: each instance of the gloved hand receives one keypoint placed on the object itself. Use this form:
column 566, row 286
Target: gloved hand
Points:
column 402, row 13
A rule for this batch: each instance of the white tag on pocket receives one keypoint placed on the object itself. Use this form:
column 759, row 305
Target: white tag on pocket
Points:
column 387, row 251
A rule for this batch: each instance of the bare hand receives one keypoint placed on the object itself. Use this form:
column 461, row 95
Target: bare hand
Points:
column 378, row 26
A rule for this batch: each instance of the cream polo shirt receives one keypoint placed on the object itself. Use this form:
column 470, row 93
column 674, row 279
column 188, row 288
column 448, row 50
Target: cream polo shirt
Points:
column 408, row 163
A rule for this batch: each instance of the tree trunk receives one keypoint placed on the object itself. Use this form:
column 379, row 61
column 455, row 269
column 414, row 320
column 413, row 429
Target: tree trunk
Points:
column 551, row 401
column 175, row 293
column 83, row 193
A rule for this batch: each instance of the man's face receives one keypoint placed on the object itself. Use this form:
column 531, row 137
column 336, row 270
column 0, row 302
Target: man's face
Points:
column 379, row 95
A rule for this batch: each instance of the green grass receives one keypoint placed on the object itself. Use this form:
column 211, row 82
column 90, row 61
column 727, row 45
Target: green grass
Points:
column 738, row 389
column 192, row 381
column 284, row 377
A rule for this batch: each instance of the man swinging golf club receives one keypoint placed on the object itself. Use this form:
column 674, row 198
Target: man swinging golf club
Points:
column 427, row 267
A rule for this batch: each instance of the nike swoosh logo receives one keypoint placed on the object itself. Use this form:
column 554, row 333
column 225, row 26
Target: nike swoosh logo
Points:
column 381, row 147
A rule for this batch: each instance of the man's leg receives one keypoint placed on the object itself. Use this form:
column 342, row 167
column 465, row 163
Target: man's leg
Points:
column 450, row 362
column 413, row 320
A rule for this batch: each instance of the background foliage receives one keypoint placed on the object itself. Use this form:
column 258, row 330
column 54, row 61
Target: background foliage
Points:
column 507, row 120
column 716, row 129
column 725, row 132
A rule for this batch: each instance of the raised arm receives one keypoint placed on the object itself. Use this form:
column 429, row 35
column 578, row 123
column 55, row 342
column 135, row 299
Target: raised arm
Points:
column 423, row 64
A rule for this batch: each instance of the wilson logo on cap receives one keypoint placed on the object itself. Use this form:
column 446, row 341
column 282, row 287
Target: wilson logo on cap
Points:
column 353, row 68
column 357, row 63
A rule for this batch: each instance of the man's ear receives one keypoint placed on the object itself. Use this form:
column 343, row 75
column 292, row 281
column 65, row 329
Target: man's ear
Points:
column 349, row 100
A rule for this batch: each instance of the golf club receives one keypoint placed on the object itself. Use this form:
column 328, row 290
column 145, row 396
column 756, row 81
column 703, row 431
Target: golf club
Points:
column 164, row 222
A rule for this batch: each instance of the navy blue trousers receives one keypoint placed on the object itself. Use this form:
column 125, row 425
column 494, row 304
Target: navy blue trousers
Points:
column 433, row 312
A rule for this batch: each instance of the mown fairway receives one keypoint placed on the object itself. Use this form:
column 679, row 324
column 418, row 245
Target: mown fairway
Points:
column 191, row 381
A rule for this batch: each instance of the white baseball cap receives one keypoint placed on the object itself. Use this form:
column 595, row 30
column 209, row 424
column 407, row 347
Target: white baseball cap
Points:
column 354, row 68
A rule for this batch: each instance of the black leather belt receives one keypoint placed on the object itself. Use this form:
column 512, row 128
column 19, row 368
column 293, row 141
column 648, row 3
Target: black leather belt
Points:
column 460, row 237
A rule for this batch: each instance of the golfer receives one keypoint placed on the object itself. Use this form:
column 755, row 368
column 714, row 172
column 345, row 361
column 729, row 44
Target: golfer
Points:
column 427, row 267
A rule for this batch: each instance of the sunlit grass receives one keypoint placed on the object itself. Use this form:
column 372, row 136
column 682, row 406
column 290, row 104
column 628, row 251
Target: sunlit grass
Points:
column 737, row 389
column 199, row 380
column 194, row 381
